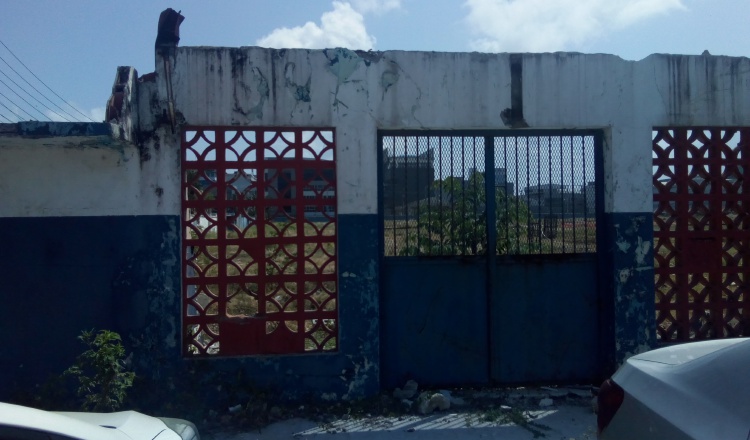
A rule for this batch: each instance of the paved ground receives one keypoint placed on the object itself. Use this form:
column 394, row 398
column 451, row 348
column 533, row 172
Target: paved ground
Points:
column 569, row 417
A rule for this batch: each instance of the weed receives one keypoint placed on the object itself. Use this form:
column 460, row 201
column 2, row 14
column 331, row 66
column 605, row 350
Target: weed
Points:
column 102, row 378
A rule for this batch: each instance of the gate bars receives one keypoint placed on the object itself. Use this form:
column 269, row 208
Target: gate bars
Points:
column 701, row 232
column 436, row 191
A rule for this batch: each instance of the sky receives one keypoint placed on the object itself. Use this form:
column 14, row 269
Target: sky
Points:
column 59, row 52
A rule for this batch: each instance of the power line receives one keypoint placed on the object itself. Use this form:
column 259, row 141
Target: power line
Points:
column 5, row 117
column 11, row 101
column 43, row 83
column 27, row 102
column 35, row 89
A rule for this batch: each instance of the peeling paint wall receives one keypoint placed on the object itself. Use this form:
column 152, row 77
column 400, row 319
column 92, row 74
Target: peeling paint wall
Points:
column 63, row 169
column 131, row 169
column 370, row 90
column 86, row 244
column 361, row 92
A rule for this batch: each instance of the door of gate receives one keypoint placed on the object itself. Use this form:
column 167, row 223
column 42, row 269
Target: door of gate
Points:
column 489, row 256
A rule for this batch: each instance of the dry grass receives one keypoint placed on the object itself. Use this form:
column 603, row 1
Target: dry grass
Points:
column 286, row 253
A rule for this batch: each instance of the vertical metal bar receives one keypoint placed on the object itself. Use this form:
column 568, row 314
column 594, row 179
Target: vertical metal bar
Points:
column 405, row 206
column 430, row 187
column 453, row 201
column 418, row 158
column 463, row 218
column 441, row 199
column 491, row 261
column 539, row 184
column 475, row 202
column 549, row 182
column 506, row 214
column 562, row 185
column 517, row 249
column 572, row 194
column 528, row 198
column 585, row 200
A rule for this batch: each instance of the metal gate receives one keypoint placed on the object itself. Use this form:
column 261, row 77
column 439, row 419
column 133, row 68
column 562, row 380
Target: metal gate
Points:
column 701, row 232
column 489, row 268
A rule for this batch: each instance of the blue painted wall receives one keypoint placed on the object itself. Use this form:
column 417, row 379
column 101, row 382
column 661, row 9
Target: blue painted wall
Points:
column 62, row 275
column 629, row 285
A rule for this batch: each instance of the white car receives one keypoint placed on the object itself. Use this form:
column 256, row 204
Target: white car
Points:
column 697, row 390
column 24, row 423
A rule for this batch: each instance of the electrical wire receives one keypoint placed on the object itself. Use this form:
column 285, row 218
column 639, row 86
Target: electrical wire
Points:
column 35, row 89
column 27, row 102
column 44, row 84
column 19, row 108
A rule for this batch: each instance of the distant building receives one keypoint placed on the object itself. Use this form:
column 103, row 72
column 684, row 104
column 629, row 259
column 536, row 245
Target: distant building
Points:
column 501, row 181
column 319, row 192
column 555, row 200
column 406, row 179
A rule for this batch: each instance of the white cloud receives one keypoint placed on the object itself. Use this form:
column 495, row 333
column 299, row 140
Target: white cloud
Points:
column 544, row 25
column 376, row 6
column 96, row 114
column 341, row 27
column 56, row 116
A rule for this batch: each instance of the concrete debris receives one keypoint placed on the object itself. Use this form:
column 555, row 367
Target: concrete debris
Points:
column 568, row 391
column 455, row 401
column 546, row 402
column 408, row 392
column 527, row 393
column 429, row 403
column 556, row 392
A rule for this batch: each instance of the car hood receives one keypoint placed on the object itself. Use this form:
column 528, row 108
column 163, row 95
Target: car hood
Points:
column 135, row 425
column 683, row 353
column 126, row 425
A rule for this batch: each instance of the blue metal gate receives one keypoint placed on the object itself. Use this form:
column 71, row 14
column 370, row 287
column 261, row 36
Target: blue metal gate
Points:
column 489, row 256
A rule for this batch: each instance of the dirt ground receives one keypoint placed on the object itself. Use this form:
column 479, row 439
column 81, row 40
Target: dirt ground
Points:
column 508, row 413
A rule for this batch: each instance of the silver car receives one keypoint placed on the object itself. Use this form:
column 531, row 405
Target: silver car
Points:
column 698, row 390
column 21, row 422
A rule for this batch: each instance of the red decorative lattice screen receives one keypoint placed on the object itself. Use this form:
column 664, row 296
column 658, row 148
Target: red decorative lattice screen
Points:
column 701, row 233
column 259, row 243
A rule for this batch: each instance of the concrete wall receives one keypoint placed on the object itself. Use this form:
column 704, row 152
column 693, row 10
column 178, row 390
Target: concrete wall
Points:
column 361, row 92
column 127, row 176
column 86, row 243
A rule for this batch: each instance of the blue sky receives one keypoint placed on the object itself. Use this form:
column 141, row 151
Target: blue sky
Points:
column 75, row 46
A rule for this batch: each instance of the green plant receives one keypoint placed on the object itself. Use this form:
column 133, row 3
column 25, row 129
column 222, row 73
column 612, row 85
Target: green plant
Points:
column 102, row 378
column 454, row 222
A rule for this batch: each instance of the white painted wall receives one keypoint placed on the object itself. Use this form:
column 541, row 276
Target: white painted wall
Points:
column 80, row 176
column 358, row 94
